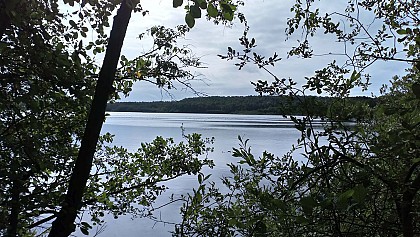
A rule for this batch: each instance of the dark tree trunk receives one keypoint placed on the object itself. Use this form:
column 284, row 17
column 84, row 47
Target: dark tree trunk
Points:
column 64, row 224
column 4, row 18
column 406, row 218
column 405, row 208
column 14, row 209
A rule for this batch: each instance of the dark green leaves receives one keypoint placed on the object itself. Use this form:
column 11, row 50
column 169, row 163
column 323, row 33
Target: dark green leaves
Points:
column 308, row 204
column 177, row 3
column 189, row 19
column 195, row 11
column 212, row 10
column 416, row 89
column 355, row 165
column 346, row 195
column 228, row 16
column 84, row 228
column 360, row 193
column 202, row 4
column 73, row 24
column 228, row 11
column 222, row 11
column 354, row 76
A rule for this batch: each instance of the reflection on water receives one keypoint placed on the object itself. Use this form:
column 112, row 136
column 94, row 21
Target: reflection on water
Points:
column 265, row 132
column 215, row 121
column 194, row 120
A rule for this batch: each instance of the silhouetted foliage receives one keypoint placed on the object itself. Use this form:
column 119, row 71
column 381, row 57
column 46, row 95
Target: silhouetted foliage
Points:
column 276, row 105
column 53, row 97
column 338, row 180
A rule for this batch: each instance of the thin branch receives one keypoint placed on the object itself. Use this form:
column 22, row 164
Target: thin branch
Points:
column 142, row 185
column 40, row 222
column 395, row 59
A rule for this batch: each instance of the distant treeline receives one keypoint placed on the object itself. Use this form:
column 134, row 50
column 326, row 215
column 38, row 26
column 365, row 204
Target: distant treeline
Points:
column 243, row 105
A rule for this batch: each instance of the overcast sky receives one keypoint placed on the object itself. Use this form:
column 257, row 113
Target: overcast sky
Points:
column 267, row 20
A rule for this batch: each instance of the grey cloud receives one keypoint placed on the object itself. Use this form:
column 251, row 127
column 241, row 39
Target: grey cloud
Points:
column 267, row 20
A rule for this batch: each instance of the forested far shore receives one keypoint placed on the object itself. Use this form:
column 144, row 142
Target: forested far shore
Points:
column 265, row 105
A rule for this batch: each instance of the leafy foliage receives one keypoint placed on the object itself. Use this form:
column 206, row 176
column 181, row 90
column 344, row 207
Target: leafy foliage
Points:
column 44, row 99
column 129, row 182
column 220, row 11
column 48, row 81
column 316, row 106
column 357, row 179
column 164, row 65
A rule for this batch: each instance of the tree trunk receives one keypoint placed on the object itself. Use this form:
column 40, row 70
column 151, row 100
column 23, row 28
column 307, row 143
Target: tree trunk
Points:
column 406, row 217
column 4, row 18
column 64, row 224
column 14, row 209
column 405, row 207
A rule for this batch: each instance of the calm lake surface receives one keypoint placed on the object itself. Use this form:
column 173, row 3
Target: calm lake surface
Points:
column 265, row 132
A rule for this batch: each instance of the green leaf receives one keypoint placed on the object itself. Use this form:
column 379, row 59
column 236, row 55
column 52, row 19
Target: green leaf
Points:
column 195, row 11
column 84, row 231
column 416, row 160
column 401, row 32
column 73, row 24
column 354, row 76
column 212, row 10
column 86, row 225
column 346, row 195
column 360, row 193
column 177, row 3
column 232, row 7
column 308, row 204
column 228, row 16
column 416, row 90
column 260, row 228
column 202, row 4
column 301, row 220
column 189, row 19
column 200, row 178
column 279, row 203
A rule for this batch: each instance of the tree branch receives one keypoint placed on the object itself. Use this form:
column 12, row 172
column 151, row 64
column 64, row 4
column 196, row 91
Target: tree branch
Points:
column 40, row 222
column 145, row 184
column 63, row 226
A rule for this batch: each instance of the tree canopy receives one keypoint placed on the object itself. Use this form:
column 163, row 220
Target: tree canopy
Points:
column 275, row 105
column 362, row 180
column 54, row 163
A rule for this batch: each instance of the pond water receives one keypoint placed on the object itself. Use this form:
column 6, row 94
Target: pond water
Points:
column 265, row 132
